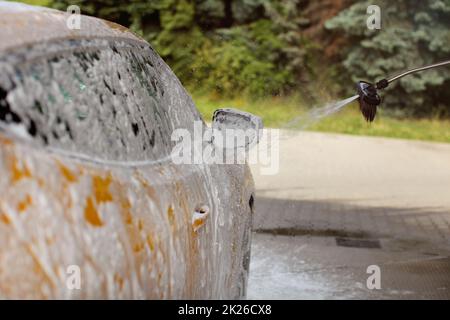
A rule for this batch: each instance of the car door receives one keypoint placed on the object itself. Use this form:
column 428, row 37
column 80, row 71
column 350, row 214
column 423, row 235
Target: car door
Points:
column 91, row 204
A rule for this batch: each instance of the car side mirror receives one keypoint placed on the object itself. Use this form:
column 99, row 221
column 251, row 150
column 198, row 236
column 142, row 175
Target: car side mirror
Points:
column 242, row 130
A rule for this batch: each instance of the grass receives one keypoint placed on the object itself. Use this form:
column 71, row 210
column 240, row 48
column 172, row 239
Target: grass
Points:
column 43, row 3
column 277, row 112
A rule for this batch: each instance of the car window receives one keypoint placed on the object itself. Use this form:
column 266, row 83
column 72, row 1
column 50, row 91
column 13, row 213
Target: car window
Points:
column 111, row 100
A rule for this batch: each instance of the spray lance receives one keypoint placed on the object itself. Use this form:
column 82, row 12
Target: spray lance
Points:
column 368, row 95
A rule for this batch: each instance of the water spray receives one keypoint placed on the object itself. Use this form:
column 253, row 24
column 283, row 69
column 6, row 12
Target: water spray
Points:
column 369, row 99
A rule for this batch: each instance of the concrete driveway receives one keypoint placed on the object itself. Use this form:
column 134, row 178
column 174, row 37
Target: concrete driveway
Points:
column 341, row 203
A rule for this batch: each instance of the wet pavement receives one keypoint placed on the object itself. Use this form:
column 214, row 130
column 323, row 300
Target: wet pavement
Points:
column 340, row 204
column 304, row 267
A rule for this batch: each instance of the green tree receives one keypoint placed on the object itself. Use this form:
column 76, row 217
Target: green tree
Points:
column 225, row 46
column 413, row 33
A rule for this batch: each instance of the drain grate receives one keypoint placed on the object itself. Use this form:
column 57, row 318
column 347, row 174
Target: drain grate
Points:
column 358, row 243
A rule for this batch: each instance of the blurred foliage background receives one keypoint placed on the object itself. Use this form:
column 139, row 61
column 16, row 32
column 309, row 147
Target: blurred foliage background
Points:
column 275, row 47
column 414, row 33
column 293, row 52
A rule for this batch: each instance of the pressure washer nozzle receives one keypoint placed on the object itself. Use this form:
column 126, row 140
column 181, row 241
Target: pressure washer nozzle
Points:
column 368, row 100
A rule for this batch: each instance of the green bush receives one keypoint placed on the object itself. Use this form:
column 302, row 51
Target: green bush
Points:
column 242, row 50
column 244, row 59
